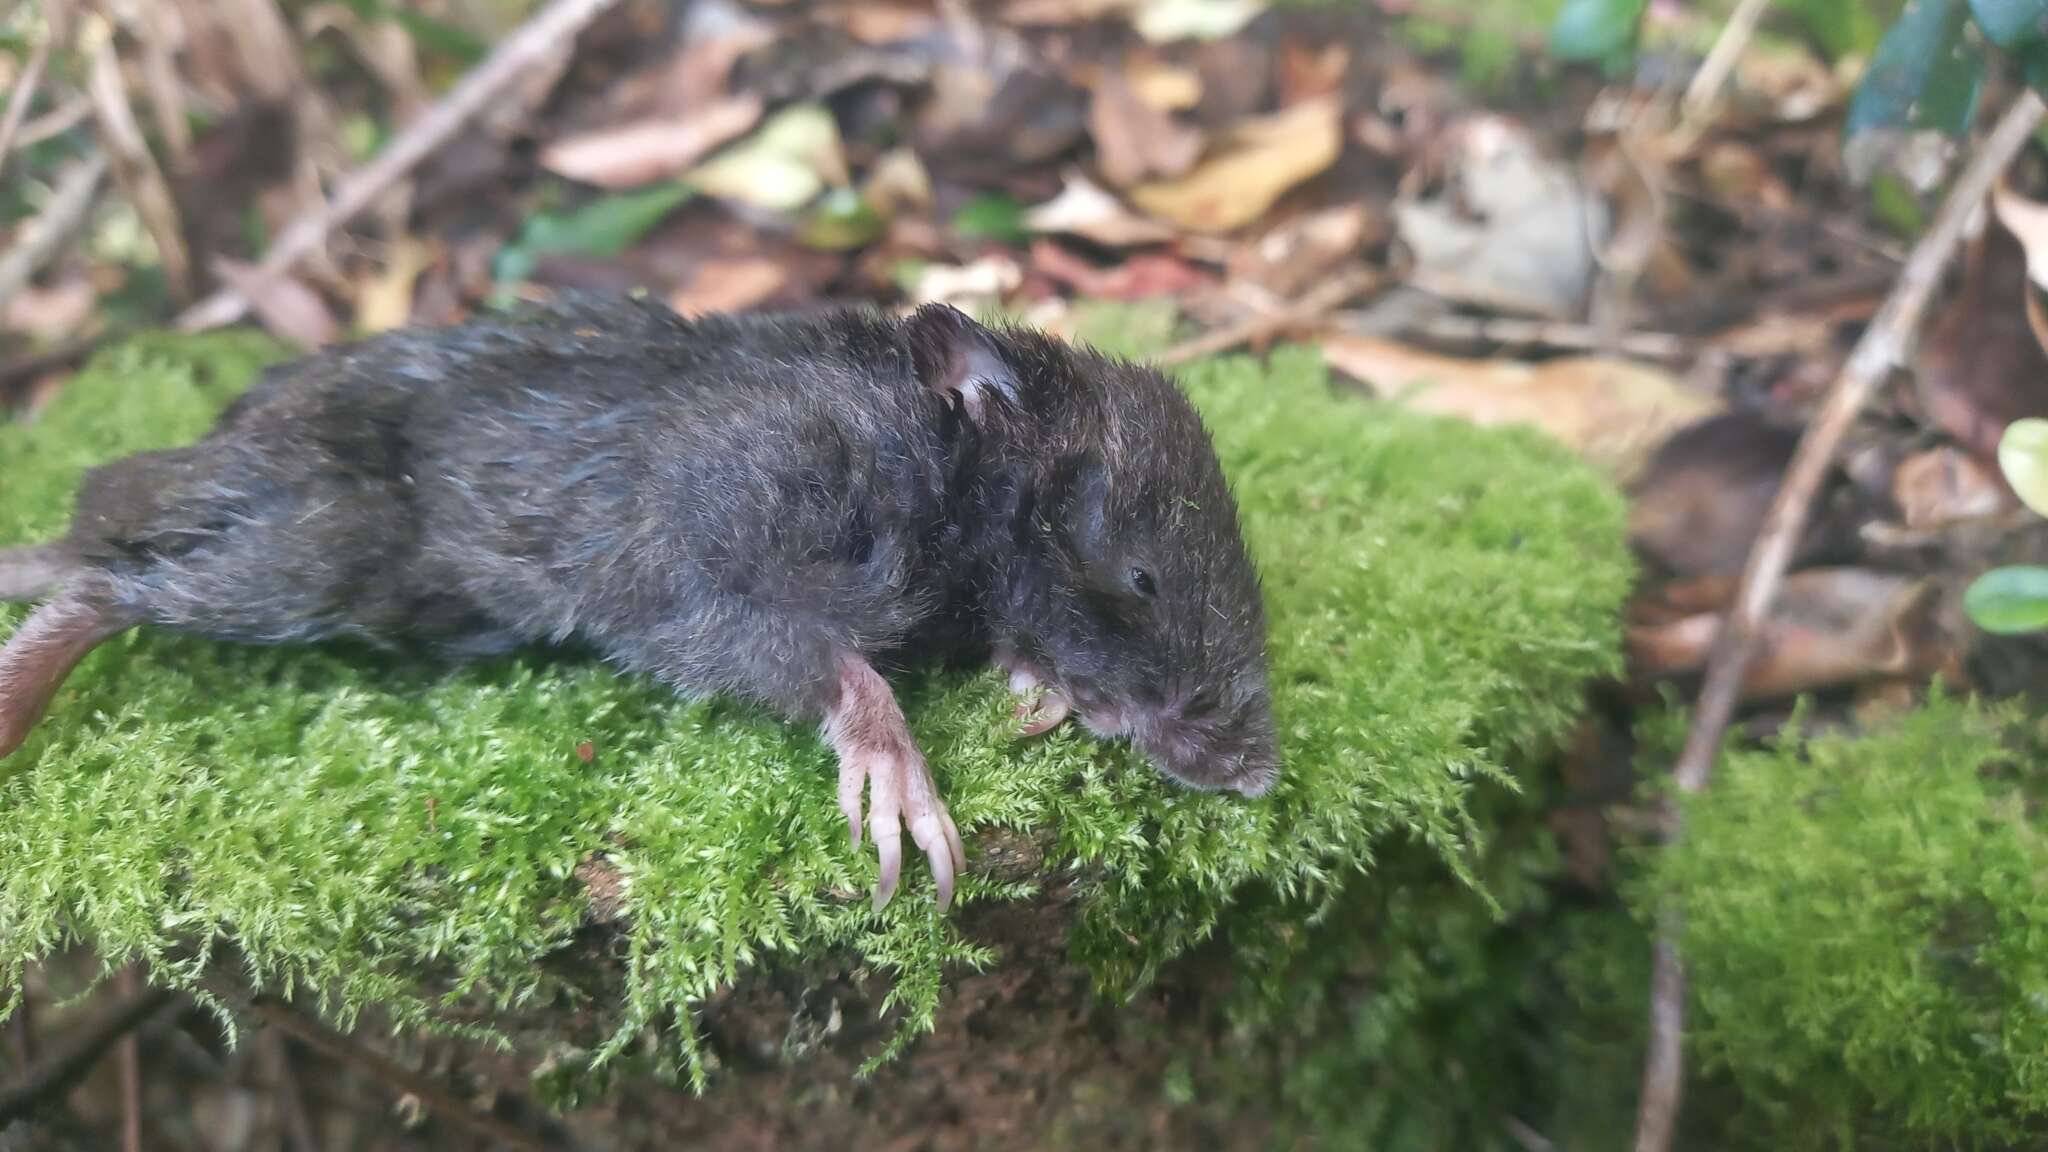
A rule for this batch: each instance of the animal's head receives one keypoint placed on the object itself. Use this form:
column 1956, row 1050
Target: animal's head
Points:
column 1125, row 578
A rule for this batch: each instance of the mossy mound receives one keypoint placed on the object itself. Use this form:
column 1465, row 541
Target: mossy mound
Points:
column 1866, row 925
column 366, row 829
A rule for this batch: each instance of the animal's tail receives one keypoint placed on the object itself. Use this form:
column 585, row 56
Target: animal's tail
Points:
column 33, row 573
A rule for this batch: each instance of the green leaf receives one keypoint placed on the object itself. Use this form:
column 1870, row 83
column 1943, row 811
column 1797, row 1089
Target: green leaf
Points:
column 991, row 216
column 1595, row 31
column 2012, row 24
column 842, row 219
column 603, row 227
column 2009, row 601
column 1926, row 74
column 2023, row 457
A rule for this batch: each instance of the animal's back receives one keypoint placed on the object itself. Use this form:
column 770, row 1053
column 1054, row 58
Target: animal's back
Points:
column 596, row 468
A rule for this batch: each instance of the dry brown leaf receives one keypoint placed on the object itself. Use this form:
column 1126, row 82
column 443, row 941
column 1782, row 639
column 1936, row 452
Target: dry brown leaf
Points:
column 287, row 308
column 383, row 46
column 732, row 285
column 1145, row 276
column 384, row 298
column 632, row 155
column 1982, row 365
column 1257, row 164
column 1135, row 141
column 1830, row 627
column 1085, row 210
column 1611, row 412
column 2028, row 223
column 1307, row 73
column 886, row 23
column 1944, row 486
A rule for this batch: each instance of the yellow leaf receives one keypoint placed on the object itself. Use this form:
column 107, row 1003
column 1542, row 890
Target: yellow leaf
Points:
column 1254, row 167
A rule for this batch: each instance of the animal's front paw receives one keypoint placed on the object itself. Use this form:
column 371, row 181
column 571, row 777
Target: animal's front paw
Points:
column 1040, row 707
column 901, row 794
column 875, row 748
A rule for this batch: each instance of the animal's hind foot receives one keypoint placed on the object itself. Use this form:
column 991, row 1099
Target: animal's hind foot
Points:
column 40, row 654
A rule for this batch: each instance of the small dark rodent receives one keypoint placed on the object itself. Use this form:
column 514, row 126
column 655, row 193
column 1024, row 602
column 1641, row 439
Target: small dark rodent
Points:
column 764, row 506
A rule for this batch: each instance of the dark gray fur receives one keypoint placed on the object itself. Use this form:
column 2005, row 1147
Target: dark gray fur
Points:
column 722, row 503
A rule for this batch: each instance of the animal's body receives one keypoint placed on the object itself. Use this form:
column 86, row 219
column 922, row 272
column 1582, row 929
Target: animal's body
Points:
column 762, row 506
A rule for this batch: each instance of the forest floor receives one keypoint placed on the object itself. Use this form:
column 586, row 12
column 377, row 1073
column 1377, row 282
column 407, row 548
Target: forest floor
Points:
column 1458, row 218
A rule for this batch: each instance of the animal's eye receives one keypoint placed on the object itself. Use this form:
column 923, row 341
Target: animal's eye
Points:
column 1142, row 581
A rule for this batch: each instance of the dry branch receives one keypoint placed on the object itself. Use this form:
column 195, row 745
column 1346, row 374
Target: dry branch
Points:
column 532, row 44
column 346, row 1050
column 45, row 236
column 1884, row 347
column 67, row 1061
column 24, row 94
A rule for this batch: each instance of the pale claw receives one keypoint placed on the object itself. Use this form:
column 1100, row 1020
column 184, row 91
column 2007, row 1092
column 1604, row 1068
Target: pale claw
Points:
column 874, row 744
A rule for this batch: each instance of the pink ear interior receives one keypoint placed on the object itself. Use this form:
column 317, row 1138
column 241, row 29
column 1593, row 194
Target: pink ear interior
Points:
column 955, row 356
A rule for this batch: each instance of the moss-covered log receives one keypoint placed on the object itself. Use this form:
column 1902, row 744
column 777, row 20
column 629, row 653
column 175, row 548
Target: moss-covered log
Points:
column 626, row 884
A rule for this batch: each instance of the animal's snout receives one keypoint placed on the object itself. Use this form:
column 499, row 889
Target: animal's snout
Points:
column 1204, row 746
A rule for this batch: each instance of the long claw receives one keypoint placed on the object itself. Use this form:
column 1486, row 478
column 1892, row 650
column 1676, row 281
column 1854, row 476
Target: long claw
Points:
column 890, row 845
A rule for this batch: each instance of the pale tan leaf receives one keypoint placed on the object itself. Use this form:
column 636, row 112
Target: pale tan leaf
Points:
column 1164, row 20
column 1611, row 412
column 731, row 285
column 287, row 308
column 632, row 155
column 1085, row 210
column 1252, row 169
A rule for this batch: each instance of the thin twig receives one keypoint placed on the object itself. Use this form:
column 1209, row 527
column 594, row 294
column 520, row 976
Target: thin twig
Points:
column 297, row 1126
column 1310, row 308
column 45, row 236
column 1705, row 89
column 129, row 1058
column 1884, row 347
column 66, row 1062
column 533, row 43
column 56, row 122
column 135, row 167
column 24, row 95
column 1517, row 333
column 346, row 1050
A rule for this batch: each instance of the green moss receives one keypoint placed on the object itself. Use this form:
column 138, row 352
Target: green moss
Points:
column 370, row 830
column 1867, row 930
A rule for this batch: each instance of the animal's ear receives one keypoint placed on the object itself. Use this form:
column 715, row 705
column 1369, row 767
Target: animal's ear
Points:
column 957, row 357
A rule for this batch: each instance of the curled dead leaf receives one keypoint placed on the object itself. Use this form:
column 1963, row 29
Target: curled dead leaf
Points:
column 1510, row 229
column 1944, row 486
column 1260, row 161
column 1134, row 140
column 1611, row 412
column 1831, row 627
